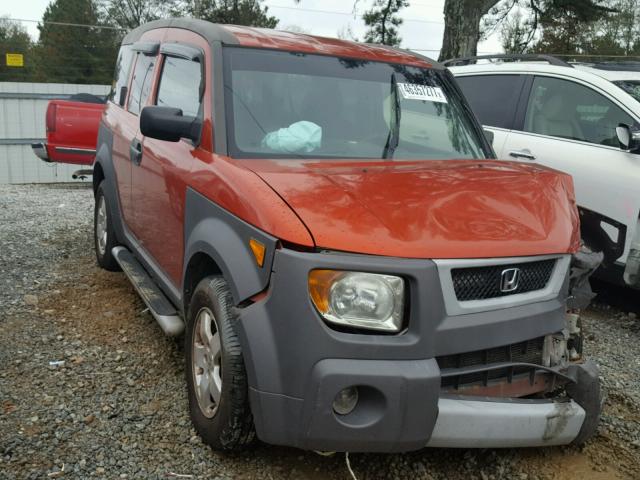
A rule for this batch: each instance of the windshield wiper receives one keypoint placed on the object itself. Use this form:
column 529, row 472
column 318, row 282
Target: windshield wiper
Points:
column 394, row 124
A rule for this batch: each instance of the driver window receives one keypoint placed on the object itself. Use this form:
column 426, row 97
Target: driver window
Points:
column 180, row 86
column 564, row 109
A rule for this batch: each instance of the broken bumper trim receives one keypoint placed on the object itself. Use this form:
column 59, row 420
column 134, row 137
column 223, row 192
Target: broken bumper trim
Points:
column 478, row 422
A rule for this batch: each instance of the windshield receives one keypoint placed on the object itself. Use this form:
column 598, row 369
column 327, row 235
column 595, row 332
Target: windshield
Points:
column 632, row 87
column 293, row 105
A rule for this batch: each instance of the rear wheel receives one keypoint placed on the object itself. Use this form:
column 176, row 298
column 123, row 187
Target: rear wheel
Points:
column 103, row 233
column 216, row 377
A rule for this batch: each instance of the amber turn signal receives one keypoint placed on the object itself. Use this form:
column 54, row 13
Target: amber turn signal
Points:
column 320, row 282
column 258, row 250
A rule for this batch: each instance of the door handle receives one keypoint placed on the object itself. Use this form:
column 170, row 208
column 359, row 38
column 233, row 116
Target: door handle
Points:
column 135, row 151
column 524, row 153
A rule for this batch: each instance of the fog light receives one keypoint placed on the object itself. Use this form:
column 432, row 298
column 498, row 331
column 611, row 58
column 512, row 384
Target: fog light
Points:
column 345, row 401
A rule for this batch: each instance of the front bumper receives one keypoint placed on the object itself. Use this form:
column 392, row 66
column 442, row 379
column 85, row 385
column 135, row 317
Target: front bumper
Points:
column 297, row 364
column 468, row 422
column 401, row 409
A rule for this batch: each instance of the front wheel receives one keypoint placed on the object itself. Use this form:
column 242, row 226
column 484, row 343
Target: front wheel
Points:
column 216, row 376
column 103, row 233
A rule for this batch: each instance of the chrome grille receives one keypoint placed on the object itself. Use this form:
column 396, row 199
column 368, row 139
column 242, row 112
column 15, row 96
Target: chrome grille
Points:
column 481, row 283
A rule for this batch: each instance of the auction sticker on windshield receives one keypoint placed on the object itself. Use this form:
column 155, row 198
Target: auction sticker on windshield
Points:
column 414, row 91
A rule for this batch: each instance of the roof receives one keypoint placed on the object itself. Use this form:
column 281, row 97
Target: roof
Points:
column 610, row 74
column 517, row 68
column 281, row 40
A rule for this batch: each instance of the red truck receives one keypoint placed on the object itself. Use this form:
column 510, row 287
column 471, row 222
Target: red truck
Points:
column 72, row 130
column 324, row 223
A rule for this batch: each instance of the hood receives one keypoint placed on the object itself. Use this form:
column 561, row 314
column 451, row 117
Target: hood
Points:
column 429, row 209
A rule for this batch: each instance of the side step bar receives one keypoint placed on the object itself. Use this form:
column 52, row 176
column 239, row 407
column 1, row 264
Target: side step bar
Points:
column 160, row 307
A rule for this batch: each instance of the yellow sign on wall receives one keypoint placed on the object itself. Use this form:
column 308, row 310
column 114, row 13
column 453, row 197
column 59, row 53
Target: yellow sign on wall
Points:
column 15, row 60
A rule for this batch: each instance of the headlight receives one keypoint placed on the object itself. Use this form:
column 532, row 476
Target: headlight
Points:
column 361, row 300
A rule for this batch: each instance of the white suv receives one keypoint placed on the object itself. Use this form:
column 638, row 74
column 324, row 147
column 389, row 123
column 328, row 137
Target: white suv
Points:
column 578, row 120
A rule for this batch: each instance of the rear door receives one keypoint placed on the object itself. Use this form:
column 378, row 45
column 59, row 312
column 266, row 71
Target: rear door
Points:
column 122, row 126
column 495, row 99
column 159, row 180
column 132, row 68
column 570, row 126
column 130, row 146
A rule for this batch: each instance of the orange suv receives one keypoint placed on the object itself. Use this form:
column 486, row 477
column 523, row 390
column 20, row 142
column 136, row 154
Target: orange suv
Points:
column 351, row 269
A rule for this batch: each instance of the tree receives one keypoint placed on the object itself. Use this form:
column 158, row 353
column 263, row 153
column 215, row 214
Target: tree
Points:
column 515, row 34
column 561, row 33
column 615, row 33
column 383, row 22
column 237, row 12
column 75, row 54
column 129, row 14
column 14, row 39
column 462, row 19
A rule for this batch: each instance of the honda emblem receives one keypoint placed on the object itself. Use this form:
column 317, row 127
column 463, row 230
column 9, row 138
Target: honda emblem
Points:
column 509, row 280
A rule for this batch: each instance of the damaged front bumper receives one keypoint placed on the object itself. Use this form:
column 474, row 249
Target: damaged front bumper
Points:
column 492, row 422
column 470, row 422
column 508, row 377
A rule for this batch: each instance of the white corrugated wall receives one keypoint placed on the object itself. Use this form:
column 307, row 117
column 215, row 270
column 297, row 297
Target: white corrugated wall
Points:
column 22, row 121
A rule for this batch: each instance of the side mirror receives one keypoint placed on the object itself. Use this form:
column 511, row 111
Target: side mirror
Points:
column 489, row 136
column 166, row 123
column 629, row 140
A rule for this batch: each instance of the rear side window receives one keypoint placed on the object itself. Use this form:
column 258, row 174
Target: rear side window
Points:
column 493, row 98
column 565, row 109
column 121, row 76
column 180, row 85
column 141, row 83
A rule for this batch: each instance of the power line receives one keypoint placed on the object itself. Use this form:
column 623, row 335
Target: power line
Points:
column 349, row 14
column 64, row 24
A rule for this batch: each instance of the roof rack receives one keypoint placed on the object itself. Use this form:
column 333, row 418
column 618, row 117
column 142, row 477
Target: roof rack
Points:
column 619, row 66
column 507, row 56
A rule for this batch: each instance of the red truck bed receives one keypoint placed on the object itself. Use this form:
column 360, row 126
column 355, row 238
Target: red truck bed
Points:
column 72, row 130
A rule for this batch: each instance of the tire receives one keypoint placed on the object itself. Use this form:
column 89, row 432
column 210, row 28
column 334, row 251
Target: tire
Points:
column 104, row 237
column 224, row 423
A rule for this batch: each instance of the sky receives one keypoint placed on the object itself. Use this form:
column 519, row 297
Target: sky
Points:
column 422, row 28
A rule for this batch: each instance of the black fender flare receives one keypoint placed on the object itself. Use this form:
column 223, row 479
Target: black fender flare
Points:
column 104, row 160
column 212, row 230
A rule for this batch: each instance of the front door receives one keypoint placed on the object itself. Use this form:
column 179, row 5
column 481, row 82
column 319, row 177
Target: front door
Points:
column 494, row 99
column 159, row 181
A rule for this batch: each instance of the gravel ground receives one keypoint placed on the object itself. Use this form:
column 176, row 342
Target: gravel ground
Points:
column 116, row 407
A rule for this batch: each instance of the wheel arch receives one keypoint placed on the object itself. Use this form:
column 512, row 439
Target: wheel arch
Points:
column 217, row 242
column 200, row 266
column 98, row 176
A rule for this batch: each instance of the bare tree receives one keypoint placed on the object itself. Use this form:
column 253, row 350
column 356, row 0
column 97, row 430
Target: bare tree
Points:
column 462, row 19
column 462, row 26
column 515, row 34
